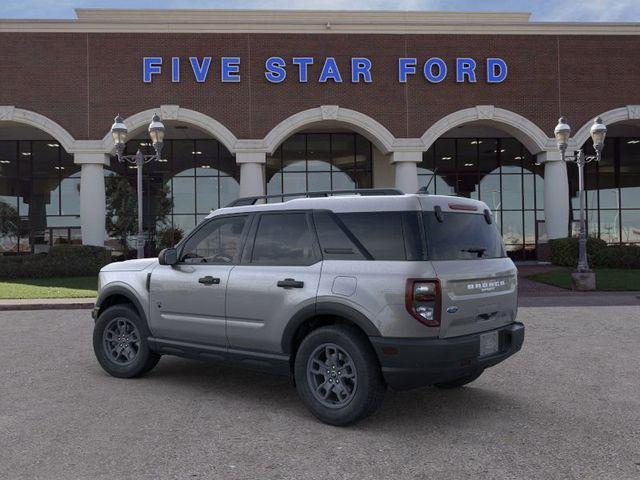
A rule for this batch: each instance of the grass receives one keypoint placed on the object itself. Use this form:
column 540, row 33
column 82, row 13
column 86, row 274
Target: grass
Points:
column 607, row 279
column 71, row 287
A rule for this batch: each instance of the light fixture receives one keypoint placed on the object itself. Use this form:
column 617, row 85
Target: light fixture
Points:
column 632, row 142
column 598, row 133
column 4, row 162
column 447, row 158
column 562, row 133
column 58, row 168
column 53, row 145
column 119, row 133
column 25, row 154
column 469, row 164
column 205, row 166
column 517, row 158
column 502, row 150
column 156, row 132
column 196, row 152
column 162, row 160
column 476, row 142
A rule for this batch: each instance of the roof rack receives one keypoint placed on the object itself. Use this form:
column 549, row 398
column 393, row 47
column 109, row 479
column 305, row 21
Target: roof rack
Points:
column 244, row 201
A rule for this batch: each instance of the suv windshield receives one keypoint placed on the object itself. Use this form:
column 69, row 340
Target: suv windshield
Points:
column 461, row 236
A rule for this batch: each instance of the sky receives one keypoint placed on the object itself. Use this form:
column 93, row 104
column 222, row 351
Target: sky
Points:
column 542, row 10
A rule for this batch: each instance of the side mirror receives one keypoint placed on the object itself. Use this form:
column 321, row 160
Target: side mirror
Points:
column 168, row 256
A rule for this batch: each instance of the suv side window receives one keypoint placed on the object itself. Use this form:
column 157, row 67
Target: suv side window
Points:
column 386, row 235
column 336, row 241
column 284, row 239
column 217, row 242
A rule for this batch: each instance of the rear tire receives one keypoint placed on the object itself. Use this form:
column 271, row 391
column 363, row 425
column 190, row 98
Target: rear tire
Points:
column 337, row 375
column 459, row 382
column 120, row 342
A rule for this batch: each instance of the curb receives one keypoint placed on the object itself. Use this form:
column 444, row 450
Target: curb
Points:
column 18, row 306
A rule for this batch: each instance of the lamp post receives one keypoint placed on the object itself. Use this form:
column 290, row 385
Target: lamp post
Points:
column 119, row 133
column 562, row 133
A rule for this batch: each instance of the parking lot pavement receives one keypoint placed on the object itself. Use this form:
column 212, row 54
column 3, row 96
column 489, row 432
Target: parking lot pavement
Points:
column 567, row 406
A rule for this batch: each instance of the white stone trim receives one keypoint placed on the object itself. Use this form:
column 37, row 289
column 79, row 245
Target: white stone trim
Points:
column 177, row 113
column 309, row 21
column 382, row 138
column 531, row 136
column 10, row 113
column 629, row 112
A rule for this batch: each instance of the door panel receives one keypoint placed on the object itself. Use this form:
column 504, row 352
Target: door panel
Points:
column 187, row 300
column 258, row 310
column 279, row 275
column 183, row 308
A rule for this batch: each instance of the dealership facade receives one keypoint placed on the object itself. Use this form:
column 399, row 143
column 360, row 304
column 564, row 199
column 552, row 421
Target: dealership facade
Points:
column 276, row 102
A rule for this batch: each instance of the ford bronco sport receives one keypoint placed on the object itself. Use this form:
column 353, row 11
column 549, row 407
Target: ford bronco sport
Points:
column 347, row 293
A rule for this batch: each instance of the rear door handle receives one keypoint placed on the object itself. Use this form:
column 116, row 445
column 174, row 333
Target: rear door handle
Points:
column 209, row 280
column 290, row 283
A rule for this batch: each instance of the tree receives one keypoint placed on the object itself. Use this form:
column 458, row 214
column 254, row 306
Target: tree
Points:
column 9, row 221
column 122, row 208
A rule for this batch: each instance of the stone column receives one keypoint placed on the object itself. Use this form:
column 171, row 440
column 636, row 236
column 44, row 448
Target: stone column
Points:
column 556, row 194
column 406, row 167
column 92, row 197
column 251, row 173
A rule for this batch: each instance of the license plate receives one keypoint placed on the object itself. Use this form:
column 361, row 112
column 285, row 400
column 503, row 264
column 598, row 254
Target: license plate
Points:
column 488, row 343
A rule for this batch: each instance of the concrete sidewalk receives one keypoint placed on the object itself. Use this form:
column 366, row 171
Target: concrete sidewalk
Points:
column 46, row 304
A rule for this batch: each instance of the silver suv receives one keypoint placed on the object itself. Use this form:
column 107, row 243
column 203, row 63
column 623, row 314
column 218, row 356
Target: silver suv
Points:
column 347, row 293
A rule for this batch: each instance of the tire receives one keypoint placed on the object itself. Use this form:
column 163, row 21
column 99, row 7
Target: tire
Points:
column 132, row 357
column 460, row 382
column 346, row 354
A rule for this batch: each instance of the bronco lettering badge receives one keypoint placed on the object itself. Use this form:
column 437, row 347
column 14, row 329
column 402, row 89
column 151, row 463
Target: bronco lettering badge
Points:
column 486, row 285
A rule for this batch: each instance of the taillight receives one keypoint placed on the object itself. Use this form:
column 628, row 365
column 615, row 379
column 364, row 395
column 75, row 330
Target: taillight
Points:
column 422, row 299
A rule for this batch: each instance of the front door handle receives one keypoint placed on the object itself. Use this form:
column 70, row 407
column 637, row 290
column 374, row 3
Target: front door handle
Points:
column 290, row 283
column 209, row 280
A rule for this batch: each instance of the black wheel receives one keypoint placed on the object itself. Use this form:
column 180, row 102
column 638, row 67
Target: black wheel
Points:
column 337, row 375
column 120, row 342
column 460, row 382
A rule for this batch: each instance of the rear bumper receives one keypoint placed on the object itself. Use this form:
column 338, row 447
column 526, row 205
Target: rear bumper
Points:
column 411, row 363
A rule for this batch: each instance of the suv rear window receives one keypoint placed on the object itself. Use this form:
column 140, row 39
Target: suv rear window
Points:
column 461, row 236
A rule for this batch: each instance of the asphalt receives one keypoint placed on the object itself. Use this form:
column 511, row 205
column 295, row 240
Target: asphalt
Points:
column 567, row 406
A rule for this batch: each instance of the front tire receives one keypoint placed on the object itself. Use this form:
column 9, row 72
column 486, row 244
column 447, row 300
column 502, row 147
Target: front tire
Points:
column 120, row 342
column 337, row 375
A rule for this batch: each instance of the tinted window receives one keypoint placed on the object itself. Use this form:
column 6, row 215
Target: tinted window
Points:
column 461, row 236
column 334, row 240
column 379, row 232
column 218, row 242
column 284, row 239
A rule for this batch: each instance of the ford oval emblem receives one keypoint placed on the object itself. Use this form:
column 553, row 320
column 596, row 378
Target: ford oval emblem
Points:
column 452, row 309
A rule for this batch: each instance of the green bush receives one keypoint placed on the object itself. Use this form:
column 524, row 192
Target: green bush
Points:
column 618, row 256
column 564, row 251
column 61, row 261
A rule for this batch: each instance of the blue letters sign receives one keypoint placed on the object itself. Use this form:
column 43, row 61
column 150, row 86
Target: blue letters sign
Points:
column 326, row 70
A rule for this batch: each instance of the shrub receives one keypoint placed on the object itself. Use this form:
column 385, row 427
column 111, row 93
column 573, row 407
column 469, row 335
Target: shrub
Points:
column 618, row 256
column 564, row 251
column 168, row 237
column 61, row 261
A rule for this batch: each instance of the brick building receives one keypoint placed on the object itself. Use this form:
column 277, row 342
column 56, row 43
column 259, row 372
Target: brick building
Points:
column 286, row 101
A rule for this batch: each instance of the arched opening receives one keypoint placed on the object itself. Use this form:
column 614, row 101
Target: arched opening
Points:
column 39, row 190
column 486, row 163
column 320, row 157
column 612, row 186
column 197, row 174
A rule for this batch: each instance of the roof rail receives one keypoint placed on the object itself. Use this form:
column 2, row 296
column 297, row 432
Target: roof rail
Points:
column 244, row 201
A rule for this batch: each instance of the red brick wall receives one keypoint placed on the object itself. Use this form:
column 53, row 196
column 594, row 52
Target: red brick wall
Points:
column 82, row 80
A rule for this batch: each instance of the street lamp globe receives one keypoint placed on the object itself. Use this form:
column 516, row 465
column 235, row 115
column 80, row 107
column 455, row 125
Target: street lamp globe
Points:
column 598, row 132
column 119, row 133
column 156, row 132
column 562, row 133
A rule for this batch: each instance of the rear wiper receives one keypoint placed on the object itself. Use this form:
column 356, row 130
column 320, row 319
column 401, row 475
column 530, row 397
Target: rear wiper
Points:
column 479, row 250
